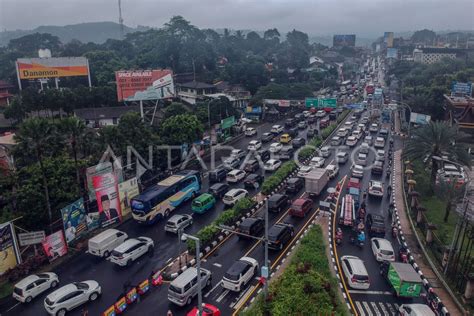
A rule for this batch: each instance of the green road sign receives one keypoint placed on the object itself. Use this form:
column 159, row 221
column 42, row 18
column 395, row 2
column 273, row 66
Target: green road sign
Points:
column 328, row 103
column 227, row 122
column 311, row 102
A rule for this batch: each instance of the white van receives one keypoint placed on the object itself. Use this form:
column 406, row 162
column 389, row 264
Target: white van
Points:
column 183, row 289
column 103, row 244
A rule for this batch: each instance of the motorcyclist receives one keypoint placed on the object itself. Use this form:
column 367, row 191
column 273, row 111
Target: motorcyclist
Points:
column 361, row 238
column 389, row 191
column 338, row 235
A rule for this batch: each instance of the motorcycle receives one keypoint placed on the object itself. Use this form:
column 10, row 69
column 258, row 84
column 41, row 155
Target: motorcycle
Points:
column 388, row 174
column 338, row 236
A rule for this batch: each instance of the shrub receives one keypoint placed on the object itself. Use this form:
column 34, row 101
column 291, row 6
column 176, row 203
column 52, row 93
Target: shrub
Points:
column 274, row 180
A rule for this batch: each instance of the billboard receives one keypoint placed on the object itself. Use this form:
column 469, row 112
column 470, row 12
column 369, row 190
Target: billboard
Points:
column 54, row 245
column 9, row 254
column 106, row 191
column 102, row 168
column 282, row 103
column 144, row 85
column 54, row 67
column 74, row 220
column 418, row 118
column 228, row 122
column 461, row 88
column 127, row 191
column 32, row 238
column 344, row 40
column 388, row 39
column 392, row 53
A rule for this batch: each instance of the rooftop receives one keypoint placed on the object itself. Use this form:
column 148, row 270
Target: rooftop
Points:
column 197, row 85
column 105, row 112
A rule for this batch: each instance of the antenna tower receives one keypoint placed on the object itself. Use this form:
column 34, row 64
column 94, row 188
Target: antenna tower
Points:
column 120, row 18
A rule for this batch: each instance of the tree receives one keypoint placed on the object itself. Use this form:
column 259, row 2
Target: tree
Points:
column 181, row 129
column 437, row 139
column 451, row 192
column 35, row 133
column 28, row 45
column 175, row 108
column 424, row 36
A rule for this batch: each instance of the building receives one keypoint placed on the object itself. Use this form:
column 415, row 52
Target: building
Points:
column 5, row 94
column 100, row 117
column 460, row 110
column 190, row 92
column 431, row 55
column 236, row 93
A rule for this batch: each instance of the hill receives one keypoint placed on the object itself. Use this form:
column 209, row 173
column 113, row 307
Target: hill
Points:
column 97, row 32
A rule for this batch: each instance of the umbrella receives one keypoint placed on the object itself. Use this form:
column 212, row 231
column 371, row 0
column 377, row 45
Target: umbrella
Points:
column 413, row 182
column 409, row 171
column 407, row 162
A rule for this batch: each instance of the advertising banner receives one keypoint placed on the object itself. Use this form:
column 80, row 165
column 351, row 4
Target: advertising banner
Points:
column 282, row 103
column 55, row 246
column 418, row 118
column 26, row 239
column 344, row 40
column 74, row 220
column 9, row 257
column 144, row 85
column 253, row 109
column 127, row 191
column 35, row 68
column 227, row 122
column 106, row 191
column 392, row 53
column 461, row 88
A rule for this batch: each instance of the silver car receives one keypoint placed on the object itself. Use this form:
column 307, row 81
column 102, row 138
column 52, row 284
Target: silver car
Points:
column 178, row 222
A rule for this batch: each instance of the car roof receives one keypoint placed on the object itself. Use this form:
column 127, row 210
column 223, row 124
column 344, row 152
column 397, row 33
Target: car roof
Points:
column 235, row 171
column 249, row 221
column 233, row 191
column 216, row 186
column 54, row 296
column 275, row 197
column 26, row 281
column 357, row 265
column 299, row 202
column 293, row 180
column 384, row 243
column 202, row 197
column 175, row 218
column 237, row 267
column 127, row 244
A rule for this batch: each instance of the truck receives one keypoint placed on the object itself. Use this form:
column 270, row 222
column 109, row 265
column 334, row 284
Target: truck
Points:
column 347, row 216
column 316, row 180
column 403, row 279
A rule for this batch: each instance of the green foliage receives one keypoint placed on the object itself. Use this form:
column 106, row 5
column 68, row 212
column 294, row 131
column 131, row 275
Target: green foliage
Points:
column 175, row 108
column 274, row 180
column 181, row 129
column 306, row 286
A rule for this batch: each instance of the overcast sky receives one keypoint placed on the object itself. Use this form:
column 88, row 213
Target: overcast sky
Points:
column 318, row 17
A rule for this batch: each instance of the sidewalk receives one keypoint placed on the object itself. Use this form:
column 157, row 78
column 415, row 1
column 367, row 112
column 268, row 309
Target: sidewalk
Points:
column 411, row 240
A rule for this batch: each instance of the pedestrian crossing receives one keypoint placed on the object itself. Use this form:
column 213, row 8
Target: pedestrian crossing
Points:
column 366, row 308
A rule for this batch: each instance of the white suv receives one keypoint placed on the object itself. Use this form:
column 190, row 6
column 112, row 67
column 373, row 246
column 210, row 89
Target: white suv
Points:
column 233, row 196
column 33, row 285
column 250, row 131
column 131, row 250
column 71, row 296
column 240, row 273
column 356, row 273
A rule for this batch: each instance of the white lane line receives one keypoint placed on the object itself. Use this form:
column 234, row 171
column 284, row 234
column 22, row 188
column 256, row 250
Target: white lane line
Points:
column 14, row 306
column 367, row 308
column 217, row 265
column 382, row 307
column 221, row 297
column 374, row 306
column 392, row 310
column 212, row 290
column 359, row 308
column 370, row 292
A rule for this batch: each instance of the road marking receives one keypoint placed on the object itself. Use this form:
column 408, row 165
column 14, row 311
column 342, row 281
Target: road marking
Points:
column 382, row 307
column 14, row 306
column 370, row 292
column 243, row 295
column 359, row 307
column 374, row 306
column 217, row 265
column 212, row 290
column 221, row 297
column 366, row 306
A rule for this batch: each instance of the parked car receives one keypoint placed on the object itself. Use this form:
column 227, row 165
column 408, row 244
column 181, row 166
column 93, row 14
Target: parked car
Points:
column 294, row 185
column 131, row 250
column 178, row 222
column 300, row 207
column 218, row 189
column 240, row 273
column 279, row 234
column 317, row 162
column 333, row 170
column 250, row 131
column 298, row 142
column 382, row 249
column 276, row 129
column 70, row 296
column 219, row 174
column 254, row 145
column 235, row 176
column 233, row 196
column 275, row 147
column 277, row 202
column 355, row 272
column 33, row 285
column 253, row 181
column 376, row 188
column 252, row 226
column 251, row 166
column 266, row 137
column 203, row 203
column 375, row 225
column 272, row 165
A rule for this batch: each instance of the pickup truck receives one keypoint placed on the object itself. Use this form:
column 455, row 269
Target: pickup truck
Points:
column 403, row 279
column 316, row 180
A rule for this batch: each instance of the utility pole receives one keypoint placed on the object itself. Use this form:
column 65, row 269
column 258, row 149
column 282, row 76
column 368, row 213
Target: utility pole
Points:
column 120, row 19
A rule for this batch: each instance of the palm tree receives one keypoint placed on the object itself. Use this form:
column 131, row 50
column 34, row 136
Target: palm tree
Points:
column 74, row 130
column 451, row 192
column 35, row 134
column 435, row 140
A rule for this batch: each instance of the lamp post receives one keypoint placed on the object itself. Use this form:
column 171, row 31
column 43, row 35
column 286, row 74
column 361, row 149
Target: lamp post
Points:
column 184, row 237
column 409, row 109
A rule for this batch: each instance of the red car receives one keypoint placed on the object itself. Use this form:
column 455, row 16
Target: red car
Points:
column 207, row 310
column 353, row 183
column 300, row 207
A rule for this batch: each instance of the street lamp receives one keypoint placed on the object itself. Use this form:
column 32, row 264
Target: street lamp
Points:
column 184, row 237
column 409, row 109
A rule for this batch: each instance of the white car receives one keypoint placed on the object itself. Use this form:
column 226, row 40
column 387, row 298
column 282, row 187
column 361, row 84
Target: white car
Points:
column 250, row 131
column 231, row 162
column 348, row 125
column 342, row 157
column 306, row 113
column 380, row 155
column 303, row 171
column 325, row 151
column 362, row 159
column 321, row 113
column 415, row 310
column 351, row 141
column 272, row 165
column 276, row 129
column 237, row 153
column 374, row 128
column 357, row 134
column 240, row 273
column 369, row 140
column 379, row 142
column 342, row 132
column 358, row 171
column 376, row 188
column 333, row 170
column 254, row 145
column 71, row 296
column 234, row 195
column 33, row 285
column 364, row 148
column 131, row 250
column 317, row 162
column 382, row 249
column 355, row 272
column 235, row 176
column 275, row 147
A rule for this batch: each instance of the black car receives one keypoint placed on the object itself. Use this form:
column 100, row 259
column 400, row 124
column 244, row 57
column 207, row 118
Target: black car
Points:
column 277, row 202
column 311, row 132
column 294, row 185
column 298, row 142
column 218, row 174
column 264, row 154
column 383, row 133
column 279, row 235
column 299, row 117
column 293, row 132
column 219, row 190
column 286, row 153
column 253, row 181
column 252, row 226
column 251, row 166
column 266, row 137
column 311, row 119
column 377, row 167
column 375, row 225
column 333, row 115
column 290, row 122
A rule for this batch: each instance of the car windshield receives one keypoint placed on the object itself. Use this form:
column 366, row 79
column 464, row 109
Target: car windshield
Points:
column 81, row 285
column 386, row 252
